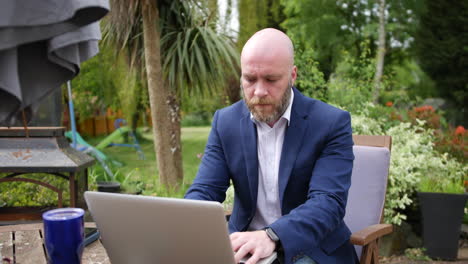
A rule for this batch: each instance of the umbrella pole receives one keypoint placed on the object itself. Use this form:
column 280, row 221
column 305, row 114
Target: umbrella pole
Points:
column 72, row 115
column 25, row 123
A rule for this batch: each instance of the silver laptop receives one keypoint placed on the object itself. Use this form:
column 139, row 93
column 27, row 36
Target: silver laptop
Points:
column 143, row 229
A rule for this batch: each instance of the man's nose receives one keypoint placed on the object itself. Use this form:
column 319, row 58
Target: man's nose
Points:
column 260, row 90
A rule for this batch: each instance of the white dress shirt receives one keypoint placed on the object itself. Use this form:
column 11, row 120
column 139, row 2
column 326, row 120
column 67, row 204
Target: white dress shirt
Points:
column 269, row 147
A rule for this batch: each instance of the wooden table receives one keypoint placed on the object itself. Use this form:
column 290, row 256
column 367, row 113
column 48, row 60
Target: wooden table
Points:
column 23, row 244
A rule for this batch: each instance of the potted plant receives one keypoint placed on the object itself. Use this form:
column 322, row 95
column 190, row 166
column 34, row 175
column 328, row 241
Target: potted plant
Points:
column 108, row 186
column 442, row 198
column 106, row 180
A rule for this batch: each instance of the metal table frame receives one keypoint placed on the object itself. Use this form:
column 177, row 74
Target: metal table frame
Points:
column 35, row 160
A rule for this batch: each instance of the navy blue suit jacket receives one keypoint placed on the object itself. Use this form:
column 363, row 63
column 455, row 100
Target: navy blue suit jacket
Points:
column 314, row 177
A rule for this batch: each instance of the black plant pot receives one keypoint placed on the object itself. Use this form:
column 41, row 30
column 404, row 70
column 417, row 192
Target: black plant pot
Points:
column 442, row 215
column 113, row 187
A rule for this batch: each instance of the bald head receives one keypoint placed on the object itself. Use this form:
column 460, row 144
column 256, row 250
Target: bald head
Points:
column 269, row 43
column 268, row 73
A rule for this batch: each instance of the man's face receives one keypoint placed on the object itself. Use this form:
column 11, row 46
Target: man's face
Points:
column 266, row 85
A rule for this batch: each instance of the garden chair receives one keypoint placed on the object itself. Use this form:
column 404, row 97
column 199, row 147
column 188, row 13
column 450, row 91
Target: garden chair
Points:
column 364, row 210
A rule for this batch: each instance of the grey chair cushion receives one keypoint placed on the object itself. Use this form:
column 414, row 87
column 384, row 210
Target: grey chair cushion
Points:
column 368, row 186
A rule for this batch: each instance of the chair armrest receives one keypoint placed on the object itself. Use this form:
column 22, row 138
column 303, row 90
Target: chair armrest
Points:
column 370, row 233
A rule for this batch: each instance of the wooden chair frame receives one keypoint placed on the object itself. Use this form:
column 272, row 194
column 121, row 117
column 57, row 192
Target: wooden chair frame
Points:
column 369, row 237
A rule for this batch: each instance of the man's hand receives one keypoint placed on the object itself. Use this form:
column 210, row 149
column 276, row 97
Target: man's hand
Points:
column 257, row 243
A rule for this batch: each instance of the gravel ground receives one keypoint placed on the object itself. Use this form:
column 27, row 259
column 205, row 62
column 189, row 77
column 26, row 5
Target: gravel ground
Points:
column 462, row 258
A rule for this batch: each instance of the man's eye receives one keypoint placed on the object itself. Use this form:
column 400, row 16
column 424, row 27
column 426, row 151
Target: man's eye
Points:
column 271, row 80
column 250, row 80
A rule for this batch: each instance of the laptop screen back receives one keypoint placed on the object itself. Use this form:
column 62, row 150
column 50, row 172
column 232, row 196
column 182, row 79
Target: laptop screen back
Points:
column 142, row 229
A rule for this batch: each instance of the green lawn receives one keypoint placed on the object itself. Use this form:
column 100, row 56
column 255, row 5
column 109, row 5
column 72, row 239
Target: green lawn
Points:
column 142, row 175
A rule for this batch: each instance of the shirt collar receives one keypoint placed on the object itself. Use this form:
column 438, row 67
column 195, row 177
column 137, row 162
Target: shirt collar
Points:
column 286, row 115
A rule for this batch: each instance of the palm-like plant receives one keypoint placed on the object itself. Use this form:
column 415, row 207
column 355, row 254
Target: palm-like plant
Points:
column 174, row 45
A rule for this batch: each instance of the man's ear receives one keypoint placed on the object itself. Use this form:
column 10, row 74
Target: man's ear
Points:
column 293, row 74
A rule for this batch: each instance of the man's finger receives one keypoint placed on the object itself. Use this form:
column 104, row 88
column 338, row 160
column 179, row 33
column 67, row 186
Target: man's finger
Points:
column 243, row 251
column 236, row 244
column 234, row 235
column 253, row 259
column 237, row 241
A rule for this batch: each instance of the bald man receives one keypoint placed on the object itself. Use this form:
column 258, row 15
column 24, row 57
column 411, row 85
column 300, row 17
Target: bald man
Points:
column 289, row 157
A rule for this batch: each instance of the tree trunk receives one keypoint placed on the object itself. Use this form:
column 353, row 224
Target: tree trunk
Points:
column 227, row 17
column 165, row 112
column 380, row 53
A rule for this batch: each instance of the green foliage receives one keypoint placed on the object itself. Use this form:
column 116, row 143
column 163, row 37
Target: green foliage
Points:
column 106, row 81
column 453, row 141
column 436, row 185
column 442, row 49
column 30, row 194
column 94, row 88
column 413, row 159
column 228, row 203
column 417, row 254
column 195, row 58
column 409, row 83
column 120, row 175
column 447, row 139
column 275, row 15
column 330, row 27
column 194, row 52
column 255, row 15
column 444, row 174
column 316, row 24
column 196, row 119
column 131, row 93
column 352, row 83
column 212, row 8
column 198, row 111
column 310, row 80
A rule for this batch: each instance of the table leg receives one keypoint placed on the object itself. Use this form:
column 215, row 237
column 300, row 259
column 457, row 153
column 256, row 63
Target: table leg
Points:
column 73, row 191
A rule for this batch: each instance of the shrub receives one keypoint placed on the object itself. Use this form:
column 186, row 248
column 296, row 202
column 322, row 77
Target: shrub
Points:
column 446, row 138
column 352, row 83
column 196, row 119
column 416, row 254
column 453, row 141
column 426, row 113
column 229, row 201
column 30, row 194
column 310, row 80
column 95, row 87
column 413, row 158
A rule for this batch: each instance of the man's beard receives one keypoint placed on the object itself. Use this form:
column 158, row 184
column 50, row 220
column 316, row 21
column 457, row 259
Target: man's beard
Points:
column 278, row 108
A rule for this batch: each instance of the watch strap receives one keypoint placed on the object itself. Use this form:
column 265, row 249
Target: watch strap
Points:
column 272, row 235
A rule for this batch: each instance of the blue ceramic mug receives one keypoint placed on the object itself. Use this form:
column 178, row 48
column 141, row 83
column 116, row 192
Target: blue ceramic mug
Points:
column 64, row 235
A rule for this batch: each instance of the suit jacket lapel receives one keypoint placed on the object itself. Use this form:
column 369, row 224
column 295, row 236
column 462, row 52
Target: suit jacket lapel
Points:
column 292, row 142
column 249, row 147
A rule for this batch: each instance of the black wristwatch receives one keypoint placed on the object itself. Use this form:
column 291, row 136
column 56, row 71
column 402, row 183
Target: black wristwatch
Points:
column 272, row 235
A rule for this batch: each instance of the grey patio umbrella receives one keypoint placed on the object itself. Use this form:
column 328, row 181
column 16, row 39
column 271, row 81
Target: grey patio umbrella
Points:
column 42, row 44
